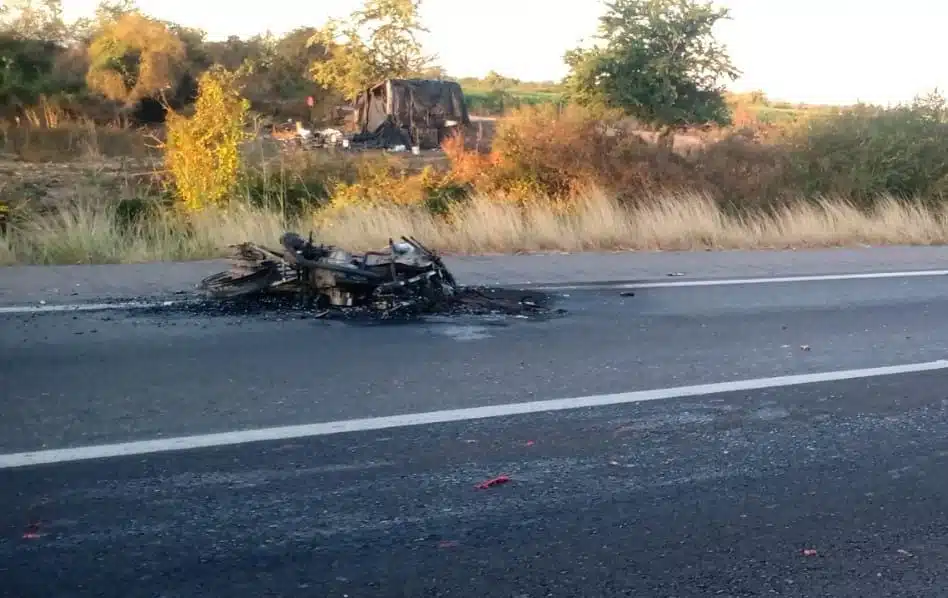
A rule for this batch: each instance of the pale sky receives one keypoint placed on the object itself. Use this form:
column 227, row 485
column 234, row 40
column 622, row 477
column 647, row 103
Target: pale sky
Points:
column 817, row 51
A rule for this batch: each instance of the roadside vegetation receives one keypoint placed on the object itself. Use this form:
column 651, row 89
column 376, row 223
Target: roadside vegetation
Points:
column 131, row 139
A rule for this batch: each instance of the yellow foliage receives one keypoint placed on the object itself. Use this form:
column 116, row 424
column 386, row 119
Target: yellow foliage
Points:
column 134, row 57
column 202, row 152
column 385, row 182
column 379, row 181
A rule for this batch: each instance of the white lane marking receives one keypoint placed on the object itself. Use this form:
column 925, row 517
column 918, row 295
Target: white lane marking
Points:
column 437, row 417
column 71, row 307
column 711, row 282
column 130, row 305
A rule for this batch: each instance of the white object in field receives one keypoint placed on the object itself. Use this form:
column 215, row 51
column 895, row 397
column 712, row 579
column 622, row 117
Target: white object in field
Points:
column 415, row 150
column 450, row 123
column 331, row 135
column 399, row 148
column 301, row 131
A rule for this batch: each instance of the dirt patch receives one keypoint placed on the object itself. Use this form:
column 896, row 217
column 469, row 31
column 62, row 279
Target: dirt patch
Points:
column 41, row 184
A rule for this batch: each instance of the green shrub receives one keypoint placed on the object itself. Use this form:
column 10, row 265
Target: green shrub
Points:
column 863, row 152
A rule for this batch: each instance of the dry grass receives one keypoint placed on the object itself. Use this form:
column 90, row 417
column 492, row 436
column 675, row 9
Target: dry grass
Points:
column 678, row 222
column 87, row 232
column 72, row 141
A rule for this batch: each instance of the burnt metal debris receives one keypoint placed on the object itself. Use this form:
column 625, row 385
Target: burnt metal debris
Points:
column 405, row 279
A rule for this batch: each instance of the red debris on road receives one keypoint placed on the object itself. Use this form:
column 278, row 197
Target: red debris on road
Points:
column 448, row 544
column 494, row 482
column 32, row 532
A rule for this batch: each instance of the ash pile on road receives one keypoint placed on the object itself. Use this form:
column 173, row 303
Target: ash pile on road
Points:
column 467, row 301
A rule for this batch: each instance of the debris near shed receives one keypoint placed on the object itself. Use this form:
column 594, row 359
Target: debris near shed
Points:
column 293, row 134
column 404, row 279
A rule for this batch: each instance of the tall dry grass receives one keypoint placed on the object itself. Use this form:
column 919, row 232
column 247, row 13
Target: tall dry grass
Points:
column 52, row 132
column 86, row 232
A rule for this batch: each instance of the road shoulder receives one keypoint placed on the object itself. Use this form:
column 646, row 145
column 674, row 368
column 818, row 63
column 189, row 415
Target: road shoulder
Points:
column 21, row 285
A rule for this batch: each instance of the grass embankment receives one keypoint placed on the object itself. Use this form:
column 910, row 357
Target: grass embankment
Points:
column 90, row 232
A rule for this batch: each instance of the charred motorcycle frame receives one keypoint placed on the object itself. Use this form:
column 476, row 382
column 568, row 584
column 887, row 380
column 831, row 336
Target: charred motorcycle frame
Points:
column 406, row 277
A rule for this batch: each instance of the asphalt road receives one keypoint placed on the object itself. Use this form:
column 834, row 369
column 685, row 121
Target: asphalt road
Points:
column 68, row 284
column 831, row 489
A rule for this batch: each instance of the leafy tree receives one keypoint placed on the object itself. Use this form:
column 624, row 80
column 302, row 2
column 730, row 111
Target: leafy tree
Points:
column 273, row 68
column 135, row 57
column 85, row 29
column 34, row 19
column 232, row 52
column 32, row 34
column 291, row 58
column 658, row 60
column 377, row 42
column 25, row 69
column 108, row 11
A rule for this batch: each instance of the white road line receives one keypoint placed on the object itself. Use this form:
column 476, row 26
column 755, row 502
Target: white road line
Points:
column 130, row 305
column 72, row 307
column 739, row 281
column 437, row 417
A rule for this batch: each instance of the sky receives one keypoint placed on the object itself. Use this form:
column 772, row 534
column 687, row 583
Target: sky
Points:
column 814, row 51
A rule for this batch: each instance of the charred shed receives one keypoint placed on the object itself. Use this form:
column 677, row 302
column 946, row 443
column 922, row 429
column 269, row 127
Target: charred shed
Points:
column 410, row 112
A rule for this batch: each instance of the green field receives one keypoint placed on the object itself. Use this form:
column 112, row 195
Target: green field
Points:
column 485, row 101
column 494, row 103
column 482, row 100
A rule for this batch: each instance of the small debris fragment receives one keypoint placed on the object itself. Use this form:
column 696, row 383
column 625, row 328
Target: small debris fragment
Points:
column 804, row 347
column 493, row 482
column 32, row 532
column 809, row 552
column 676, row 274
column 530, row 443
column 904, row 552
column 627, row 294
column 447, row 544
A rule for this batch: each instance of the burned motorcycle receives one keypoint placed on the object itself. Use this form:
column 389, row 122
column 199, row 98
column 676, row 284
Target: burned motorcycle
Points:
column 405, row 278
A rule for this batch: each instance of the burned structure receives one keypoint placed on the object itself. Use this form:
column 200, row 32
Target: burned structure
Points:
column 410, row 112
